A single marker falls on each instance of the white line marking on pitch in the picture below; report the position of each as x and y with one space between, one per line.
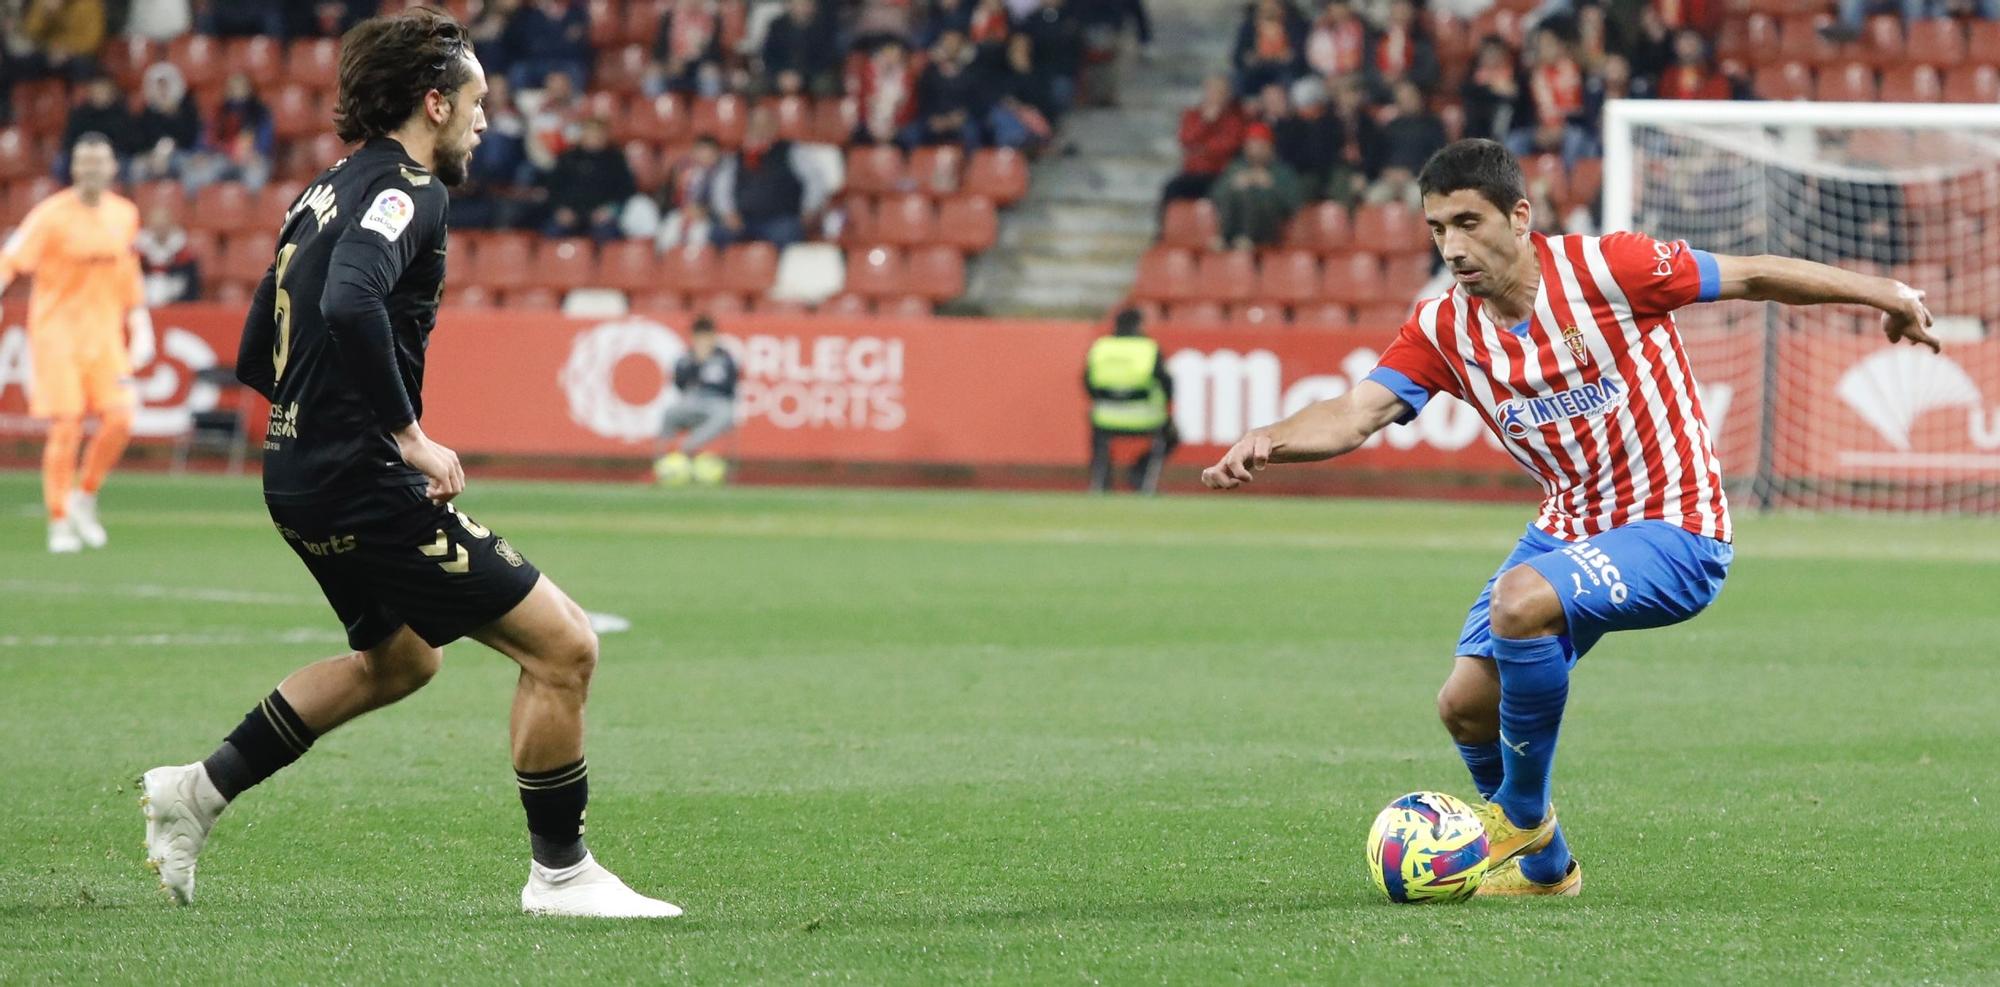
297 635
147 591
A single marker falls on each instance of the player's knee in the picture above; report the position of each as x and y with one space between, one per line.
1468 716
1524 605
399 670
574 658
118 420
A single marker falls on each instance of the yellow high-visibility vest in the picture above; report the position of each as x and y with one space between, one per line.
1123 367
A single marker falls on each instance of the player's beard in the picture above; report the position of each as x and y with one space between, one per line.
452 162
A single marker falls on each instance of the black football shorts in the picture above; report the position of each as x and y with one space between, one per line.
389 556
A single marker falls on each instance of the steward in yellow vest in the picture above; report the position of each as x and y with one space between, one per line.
1130 394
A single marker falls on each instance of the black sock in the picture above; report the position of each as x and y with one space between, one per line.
271 737
555 801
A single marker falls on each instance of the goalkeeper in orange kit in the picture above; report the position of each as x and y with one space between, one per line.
78 247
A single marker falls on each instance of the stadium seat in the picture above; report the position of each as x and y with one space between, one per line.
231 292
224 207
874 170
275 199
1198 315
642 20
1912 84
1758 39
500 259
41 107
937 170
722 118
936 272
1390 228
778 306
470 296
630 266
620 69
314 62
606 28
149 196
717 303
1404 276
876 272
295 113
1227 276
17 156
1586 181
1321 227
1935 41
245 258
688 269
1972 84
1385 317
200 59
1323 315
833 119
1983 37
1000 174
905 220
857 221
656 302
849 305
968 222
1853 82
1799 39
749 269
1355 277
206 247
535 299
1783 81
1190 224
1166 274
1881 43
906 307
1288 277
126 59
260 58
660 120
794 116
1261 315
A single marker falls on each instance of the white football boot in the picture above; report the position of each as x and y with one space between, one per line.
587 890
83 514
63 539
181 805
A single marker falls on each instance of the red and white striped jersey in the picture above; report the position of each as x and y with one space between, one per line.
1592 394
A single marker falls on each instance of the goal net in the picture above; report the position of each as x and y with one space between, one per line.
1816 409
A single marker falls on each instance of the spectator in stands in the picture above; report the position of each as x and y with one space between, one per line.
241 18
1593 40
1058 47
1854 12
1211 134
588 184
1555 97
492 196
239 142
949 106
1359 137
1104 23
1403 50
1692 77
802 41
1309 138
1407 140
1257 196
1652 48
66 35
102 111
941 16
1613 80
1018 94
171 271
547 36
1491 94
1268 46
329 18
764 191
990 25
677 213
488 31
159 20
551 116
885 87
688 48
1338 44
169 126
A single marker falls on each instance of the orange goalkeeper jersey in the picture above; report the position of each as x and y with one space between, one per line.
85 269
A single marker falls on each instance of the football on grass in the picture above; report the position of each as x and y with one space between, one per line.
1427 846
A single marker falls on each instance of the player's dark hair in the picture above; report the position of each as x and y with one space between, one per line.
389 64
703 324
1479 164
1127 322
93 138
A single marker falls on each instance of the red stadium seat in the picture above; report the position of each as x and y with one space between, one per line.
1323 315
606 29
166 194
1322 227
314 62
1586 181
1982 37
1799 39
1785 81
1000 174
200 59
1404 276
778 306
875 170
719 303
206 247
660 120
17 156
224 207
1288 277
1972 84
938 170
1190 224
1912 84
1385 317
245 258
794 116
619 70
500 259
1198 315
275 199
657 302
231 292
858 227
833 119
849 305
260 58
126 59
876 272
42 107
1262 315
1166 274
1758 40
1881 41
295 113
722 118
905 220
1935 41
936 273
1390 228
749 269
1353 278
969 223
535 299
1853 82
471 296
628 265
642 20
688 269
907 307
1227 276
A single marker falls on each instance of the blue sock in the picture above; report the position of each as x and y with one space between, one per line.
1549 864
1483 760
1534 686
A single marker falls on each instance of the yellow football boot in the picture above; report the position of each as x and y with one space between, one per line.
1504 840
1509 882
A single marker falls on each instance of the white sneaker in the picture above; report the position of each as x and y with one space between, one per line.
62 537
83 514
181 805
587 890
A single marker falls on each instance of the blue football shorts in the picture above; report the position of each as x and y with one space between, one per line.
1643 574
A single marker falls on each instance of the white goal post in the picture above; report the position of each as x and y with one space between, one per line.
1820 412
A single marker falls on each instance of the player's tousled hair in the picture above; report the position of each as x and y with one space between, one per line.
389 64
1485 166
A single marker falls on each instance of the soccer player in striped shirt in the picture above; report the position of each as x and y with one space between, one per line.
1566 347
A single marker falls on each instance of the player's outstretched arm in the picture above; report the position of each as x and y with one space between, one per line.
1321 430
1789 281
256 365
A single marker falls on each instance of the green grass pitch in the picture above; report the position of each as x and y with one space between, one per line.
896 737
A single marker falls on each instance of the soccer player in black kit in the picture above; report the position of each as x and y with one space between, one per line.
335 339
